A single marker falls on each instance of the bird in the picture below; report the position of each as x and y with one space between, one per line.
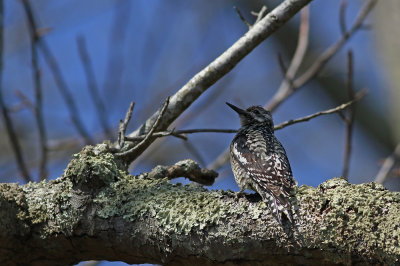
259 161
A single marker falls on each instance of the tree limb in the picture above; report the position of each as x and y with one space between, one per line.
96 211
183 98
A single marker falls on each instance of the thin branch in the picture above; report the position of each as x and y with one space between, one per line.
148 138
92 86
38 107
186 168
181 133
299 54
242 17
157 135
7 119
282 65
260 14
25 102
283 93
278 127
342 16
330 111
350 116
61 84
124 124
387 166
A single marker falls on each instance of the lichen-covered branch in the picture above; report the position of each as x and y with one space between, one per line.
96 210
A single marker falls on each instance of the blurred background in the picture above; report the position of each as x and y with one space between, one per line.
107 53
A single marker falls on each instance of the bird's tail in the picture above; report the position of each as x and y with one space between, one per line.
280 207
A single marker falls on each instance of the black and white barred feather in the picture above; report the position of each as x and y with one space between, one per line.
259 161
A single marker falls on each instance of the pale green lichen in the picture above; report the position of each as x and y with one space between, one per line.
50 205
94 165
169 204
350 212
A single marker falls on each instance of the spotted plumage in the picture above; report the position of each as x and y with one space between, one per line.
259 161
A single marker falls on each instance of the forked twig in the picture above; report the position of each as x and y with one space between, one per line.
242 17
123 125
148 138
330 111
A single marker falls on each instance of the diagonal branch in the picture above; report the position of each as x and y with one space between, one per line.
242 18
38 107
183 98
388 165
92 86
282 94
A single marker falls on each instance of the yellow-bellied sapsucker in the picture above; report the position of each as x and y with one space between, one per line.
259 161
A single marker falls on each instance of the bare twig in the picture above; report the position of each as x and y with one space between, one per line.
61 84
282 65
282 94
7 119
147 139
260 14
342 16
350 116
181 133
298 57
186 168
330 111
38 107
158 135
242 17
123 125
92 85
25 102
388 165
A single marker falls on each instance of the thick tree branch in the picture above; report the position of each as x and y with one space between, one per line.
98 211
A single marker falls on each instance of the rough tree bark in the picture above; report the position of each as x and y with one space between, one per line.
97 211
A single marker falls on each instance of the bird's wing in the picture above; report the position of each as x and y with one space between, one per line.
270 173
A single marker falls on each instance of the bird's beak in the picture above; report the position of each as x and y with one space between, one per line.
237 109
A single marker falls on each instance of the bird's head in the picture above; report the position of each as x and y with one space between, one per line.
253 114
